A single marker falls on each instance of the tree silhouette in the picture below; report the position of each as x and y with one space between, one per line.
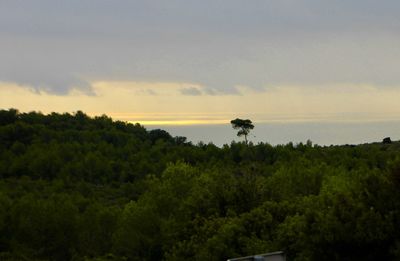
244 127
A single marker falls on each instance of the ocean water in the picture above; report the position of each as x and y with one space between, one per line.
322 133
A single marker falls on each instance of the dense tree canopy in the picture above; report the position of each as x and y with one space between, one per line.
74 187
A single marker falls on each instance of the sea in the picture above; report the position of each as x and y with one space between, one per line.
321 133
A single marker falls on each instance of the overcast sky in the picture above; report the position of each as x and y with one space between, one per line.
55 50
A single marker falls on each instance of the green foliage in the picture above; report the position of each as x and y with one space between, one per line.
74 187
244 127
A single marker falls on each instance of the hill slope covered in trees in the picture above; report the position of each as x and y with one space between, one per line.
79 188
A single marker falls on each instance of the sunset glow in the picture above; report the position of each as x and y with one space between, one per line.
165 104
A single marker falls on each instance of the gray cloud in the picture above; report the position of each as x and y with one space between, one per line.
58 45
191 91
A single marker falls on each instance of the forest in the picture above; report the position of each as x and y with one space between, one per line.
74 187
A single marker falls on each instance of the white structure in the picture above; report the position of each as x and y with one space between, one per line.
273 256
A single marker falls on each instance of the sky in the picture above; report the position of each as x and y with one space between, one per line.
189 63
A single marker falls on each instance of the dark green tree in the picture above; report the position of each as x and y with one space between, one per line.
244 127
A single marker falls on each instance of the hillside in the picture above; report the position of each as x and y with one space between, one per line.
74 187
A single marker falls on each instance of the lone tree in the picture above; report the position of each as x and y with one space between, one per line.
244 127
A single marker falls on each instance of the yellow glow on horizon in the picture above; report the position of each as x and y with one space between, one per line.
165 103
180 122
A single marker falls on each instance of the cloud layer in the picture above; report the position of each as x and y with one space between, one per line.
58 46
164 103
